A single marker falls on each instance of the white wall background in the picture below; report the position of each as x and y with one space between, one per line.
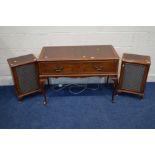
16 41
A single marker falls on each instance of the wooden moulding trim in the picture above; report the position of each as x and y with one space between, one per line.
79 60
22 95
77 75
130 92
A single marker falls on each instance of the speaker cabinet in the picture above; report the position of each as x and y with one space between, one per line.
25 74
134 72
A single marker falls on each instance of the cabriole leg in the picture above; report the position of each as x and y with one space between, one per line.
42 85
114 90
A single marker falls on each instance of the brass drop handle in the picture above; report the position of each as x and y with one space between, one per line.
58 69
99 68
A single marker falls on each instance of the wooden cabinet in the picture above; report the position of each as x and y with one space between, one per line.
25 74
134 72
78 61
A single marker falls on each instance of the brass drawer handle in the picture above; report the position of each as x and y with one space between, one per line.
99 68
58 69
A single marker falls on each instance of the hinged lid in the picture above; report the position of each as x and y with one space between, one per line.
134 58
13 62
89 52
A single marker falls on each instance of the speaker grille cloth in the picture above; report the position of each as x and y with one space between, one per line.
133 76
27 78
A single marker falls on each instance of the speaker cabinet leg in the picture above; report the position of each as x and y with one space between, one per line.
141 97
20 99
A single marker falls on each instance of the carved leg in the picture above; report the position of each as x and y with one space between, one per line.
48 81
42 85
45 98
115 89
107 80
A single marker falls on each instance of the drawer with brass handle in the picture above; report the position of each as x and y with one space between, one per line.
89 67
99 68
58 69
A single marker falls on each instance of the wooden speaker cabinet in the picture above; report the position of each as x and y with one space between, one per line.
25 74
134 72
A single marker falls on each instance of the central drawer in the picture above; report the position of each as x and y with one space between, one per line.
66 68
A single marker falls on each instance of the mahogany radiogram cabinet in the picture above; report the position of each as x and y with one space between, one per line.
78 61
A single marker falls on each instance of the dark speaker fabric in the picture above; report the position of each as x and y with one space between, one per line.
133 76
27 78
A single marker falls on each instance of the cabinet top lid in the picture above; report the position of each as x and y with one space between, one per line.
135 58
90 52
21 60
